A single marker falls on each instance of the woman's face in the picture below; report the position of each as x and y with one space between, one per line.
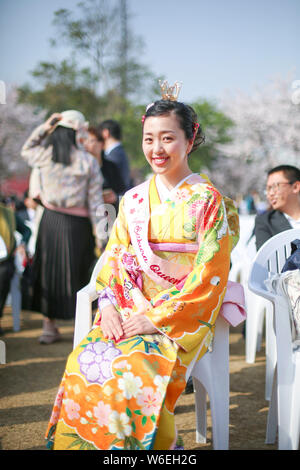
165 146
93 145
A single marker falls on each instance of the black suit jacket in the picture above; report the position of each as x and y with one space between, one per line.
112 176
118 156
269 224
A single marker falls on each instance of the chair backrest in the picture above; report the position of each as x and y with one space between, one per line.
269 260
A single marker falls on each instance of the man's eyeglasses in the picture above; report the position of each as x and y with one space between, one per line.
275 187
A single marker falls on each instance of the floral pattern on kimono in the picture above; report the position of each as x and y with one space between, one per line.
122 394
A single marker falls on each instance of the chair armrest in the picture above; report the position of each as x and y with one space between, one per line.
83 315
256 288
90 290
284 317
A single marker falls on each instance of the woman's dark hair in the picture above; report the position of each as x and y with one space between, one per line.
62 139
185 114
113 127
96 132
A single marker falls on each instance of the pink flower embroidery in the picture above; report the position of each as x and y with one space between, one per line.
133 268
102 412
72 409
150 401
113 263
196 209
121 365
203 213
59 396
130 263
182 195
54 417
116 250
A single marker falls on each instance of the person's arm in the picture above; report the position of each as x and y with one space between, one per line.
108 315
187 316
33 151
23 229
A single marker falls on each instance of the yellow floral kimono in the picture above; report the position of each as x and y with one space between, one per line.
171 260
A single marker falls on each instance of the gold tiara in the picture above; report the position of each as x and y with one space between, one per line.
170 92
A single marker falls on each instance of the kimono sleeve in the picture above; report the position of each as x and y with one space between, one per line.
188 316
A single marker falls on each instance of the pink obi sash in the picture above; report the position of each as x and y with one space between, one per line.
178 247
166 273
78 211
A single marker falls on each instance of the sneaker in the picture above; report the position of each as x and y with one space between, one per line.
49 338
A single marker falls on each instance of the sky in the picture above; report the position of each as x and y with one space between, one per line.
213 47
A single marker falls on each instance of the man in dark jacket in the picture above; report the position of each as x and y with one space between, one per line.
113 183
283 194
113 149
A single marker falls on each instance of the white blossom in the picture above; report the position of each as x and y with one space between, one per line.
17 121
266 134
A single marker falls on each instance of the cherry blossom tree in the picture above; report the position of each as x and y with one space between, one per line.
16 123
266 134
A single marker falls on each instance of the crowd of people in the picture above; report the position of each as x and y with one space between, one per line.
164 274
72 176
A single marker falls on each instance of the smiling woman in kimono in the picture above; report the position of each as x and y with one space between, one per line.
162 282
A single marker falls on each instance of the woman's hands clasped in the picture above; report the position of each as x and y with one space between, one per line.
111 323
114 328
138 325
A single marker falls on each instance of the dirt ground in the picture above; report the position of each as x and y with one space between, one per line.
31 375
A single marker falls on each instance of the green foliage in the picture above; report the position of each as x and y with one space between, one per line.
64 86
111 81
215 126
59 97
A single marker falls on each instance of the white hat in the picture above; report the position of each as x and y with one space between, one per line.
73 119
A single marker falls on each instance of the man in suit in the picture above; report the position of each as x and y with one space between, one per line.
111 133
113 184
283 194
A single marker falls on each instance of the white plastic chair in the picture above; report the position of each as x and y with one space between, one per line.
2 352
210 374
259 309
256 307
241 259
284 403
84 299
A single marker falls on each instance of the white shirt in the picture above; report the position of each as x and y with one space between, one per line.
294 223
109 149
